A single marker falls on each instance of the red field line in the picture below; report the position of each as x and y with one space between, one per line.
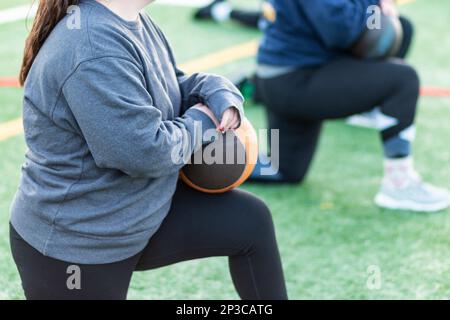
12 82
9 82
435 92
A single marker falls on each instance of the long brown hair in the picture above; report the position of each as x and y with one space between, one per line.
49 13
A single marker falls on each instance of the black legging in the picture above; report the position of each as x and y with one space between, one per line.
297 103
235 224
248 18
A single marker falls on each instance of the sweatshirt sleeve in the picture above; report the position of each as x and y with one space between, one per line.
121 125
216 92
338 23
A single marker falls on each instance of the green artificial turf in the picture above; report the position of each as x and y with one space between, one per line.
6 4
329 231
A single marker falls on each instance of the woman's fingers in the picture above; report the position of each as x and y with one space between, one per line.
230 120
227 121
235 122
226 118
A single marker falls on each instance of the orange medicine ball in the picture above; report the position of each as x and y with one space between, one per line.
224 164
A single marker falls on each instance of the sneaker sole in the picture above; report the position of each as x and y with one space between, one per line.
387 202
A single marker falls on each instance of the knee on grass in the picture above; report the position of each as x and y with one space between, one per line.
407 79
255 221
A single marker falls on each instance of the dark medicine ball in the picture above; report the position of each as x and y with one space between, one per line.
380 43
224 164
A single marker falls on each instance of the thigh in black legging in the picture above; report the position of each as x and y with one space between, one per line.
235 224
349 86
247 18
44 278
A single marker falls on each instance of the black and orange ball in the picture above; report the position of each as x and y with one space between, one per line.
224 164
381 43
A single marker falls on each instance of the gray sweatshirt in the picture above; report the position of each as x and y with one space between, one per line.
104 107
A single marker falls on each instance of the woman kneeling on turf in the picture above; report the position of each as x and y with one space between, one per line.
306 75
104 106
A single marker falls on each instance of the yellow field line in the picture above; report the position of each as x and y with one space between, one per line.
10 129
248 49
222 57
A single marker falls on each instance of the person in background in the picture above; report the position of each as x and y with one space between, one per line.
222 11
305 75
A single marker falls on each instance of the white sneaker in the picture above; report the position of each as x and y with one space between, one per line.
374 119
414 196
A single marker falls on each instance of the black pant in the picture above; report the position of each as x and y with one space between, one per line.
297 103
235 224
248 18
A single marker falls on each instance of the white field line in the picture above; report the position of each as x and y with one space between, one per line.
22 12
17 13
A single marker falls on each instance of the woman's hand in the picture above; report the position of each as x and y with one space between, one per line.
389 8
201 107
230 120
